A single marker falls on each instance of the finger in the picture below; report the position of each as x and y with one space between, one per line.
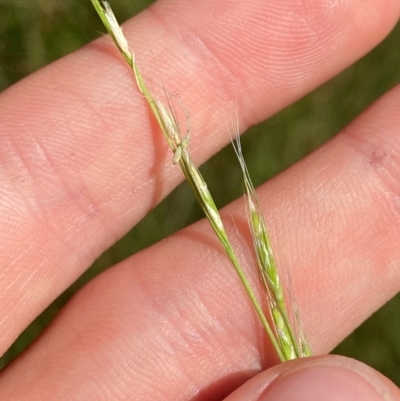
314 379
173 321
81 162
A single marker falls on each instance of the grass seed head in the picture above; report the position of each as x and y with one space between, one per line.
280 334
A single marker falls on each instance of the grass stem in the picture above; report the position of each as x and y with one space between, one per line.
280 335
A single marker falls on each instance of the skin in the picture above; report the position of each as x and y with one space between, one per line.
172 322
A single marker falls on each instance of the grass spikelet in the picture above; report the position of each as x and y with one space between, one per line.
280 335
292 342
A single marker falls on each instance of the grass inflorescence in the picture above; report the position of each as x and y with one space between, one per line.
287 342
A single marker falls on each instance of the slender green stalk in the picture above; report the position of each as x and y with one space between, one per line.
179 146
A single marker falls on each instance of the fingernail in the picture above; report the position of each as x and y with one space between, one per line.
316 381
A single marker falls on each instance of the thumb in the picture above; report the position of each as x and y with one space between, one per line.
328 378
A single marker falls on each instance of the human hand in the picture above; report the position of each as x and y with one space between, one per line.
81 164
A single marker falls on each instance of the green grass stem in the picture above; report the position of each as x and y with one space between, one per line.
281 335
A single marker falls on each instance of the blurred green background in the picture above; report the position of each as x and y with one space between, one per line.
36 32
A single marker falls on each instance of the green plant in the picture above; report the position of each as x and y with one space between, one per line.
288 343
